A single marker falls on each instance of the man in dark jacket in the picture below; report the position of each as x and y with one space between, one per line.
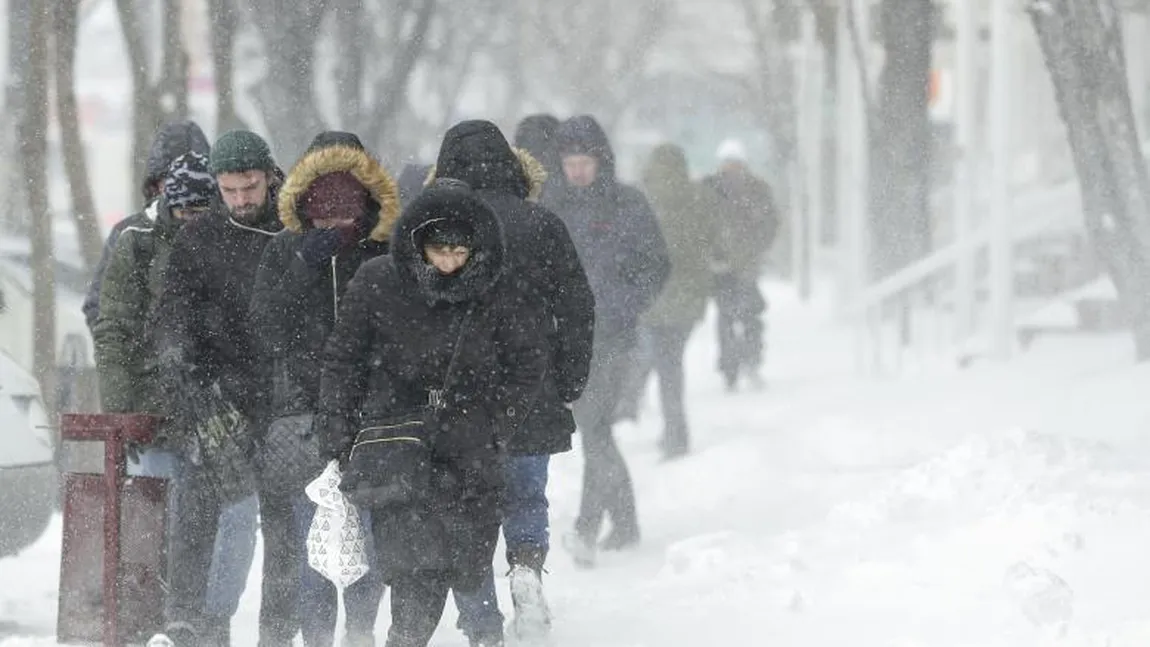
540 254
337 206
172 140
747 225
626 260
208 365
434 333
126 360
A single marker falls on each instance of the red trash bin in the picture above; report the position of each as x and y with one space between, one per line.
112 565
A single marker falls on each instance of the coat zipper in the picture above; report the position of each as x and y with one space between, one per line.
334 293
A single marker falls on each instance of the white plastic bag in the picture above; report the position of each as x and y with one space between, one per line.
336 545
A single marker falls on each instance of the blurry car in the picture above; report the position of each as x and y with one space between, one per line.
29 479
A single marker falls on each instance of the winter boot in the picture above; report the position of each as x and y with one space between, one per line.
582 549
532 623
176 634
621 537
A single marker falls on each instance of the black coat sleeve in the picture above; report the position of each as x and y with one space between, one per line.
346 358
573 306
648 264
521 364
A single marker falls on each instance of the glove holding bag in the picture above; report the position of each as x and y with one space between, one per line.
336 542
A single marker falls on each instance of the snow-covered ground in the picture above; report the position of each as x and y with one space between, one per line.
1001 505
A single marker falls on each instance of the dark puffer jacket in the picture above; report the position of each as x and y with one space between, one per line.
398 326
616 233
171 141
201 320
125 355
293 307
540 253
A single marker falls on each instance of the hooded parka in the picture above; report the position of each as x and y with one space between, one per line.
541 254
399 325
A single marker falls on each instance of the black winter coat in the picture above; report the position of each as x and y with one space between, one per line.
294 306
542 257
617 235
201 319
398 326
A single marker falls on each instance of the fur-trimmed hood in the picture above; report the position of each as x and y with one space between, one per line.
338 159
476 152
456 204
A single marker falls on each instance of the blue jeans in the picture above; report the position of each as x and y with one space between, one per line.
525 527
235 543
319 599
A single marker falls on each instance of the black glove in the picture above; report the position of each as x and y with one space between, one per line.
319 245
335 435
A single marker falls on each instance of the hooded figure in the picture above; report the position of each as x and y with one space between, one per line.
625 258
125 351
411 181
686 211
438 315
171 141
338 207
540 254
536 134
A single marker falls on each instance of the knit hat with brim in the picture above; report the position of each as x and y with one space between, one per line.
237 151
188 184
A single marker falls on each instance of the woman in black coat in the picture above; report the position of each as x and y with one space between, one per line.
441 299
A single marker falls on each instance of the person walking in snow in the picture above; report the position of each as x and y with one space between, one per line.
686 211
432 366
338 206
171 141
541 254
127 362
209 370
626 261
747 226
536 135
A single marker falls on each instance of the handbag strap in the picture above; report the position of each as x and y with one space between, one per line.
451 364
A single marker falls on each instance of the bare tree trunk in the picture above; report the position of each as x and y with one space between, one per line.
19 25
223 17
33 133
286 96
1081 41
144 105
901 148
71 142
390 92
173 85
354 36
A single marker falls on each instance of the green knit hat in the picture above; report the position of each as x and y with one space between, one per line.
240 150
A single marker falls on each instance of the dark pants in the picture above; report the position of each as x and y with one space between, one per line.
667 346
417 602
279 601
741 307
526 531
196 541
319 599
607 488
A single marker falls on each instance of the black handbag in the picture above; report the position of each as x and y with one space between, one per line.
390 460
289 456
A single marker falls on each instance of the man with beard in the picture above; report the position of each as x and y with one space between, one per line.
209 370
626 261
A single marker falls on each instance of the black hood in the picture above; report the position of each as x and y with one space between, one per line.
476 152
329 138
583 135
411 179
172 140
536 134
450 204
